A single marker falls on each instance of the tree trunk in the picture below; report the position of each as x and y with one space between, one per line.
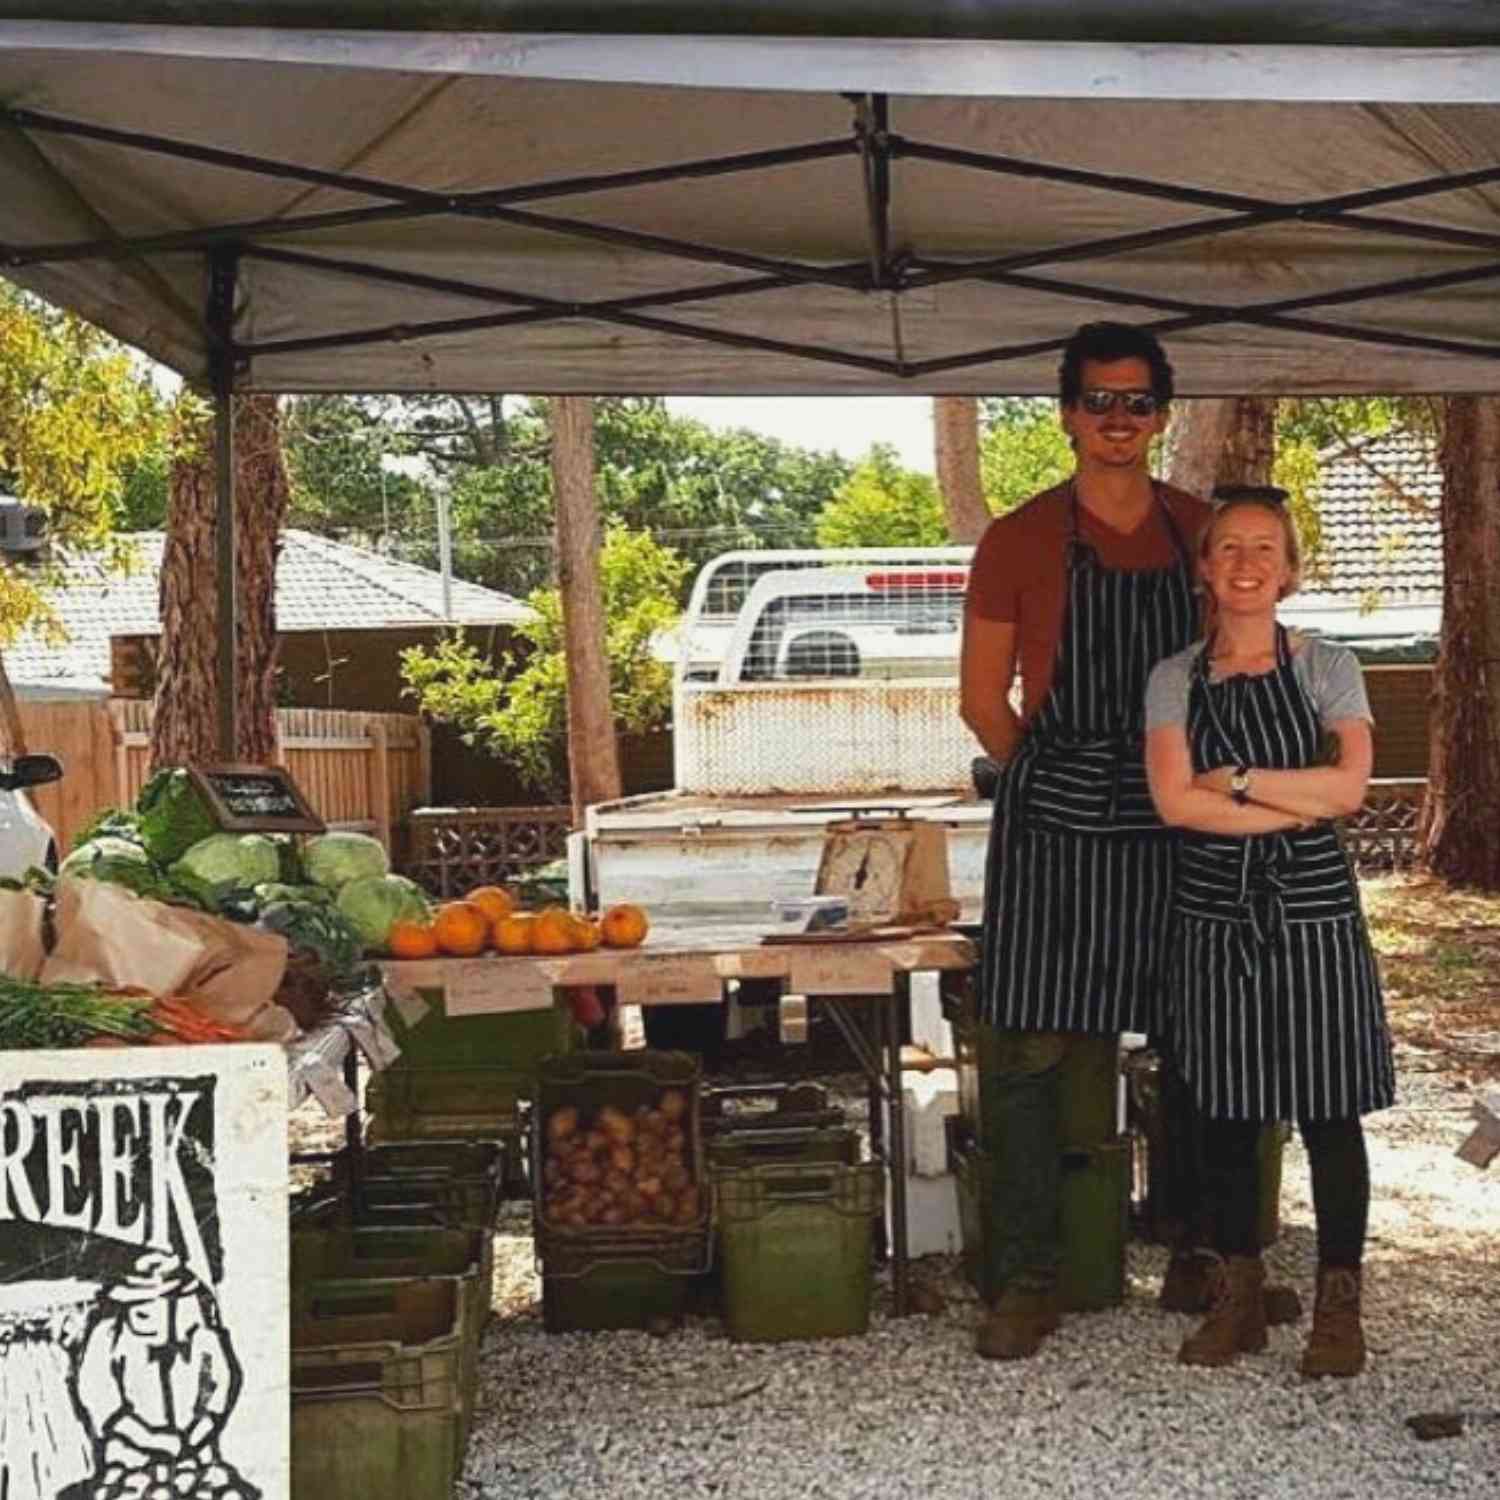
1221 440
11 731
593 762
262 495
1457 832
955 425
184 726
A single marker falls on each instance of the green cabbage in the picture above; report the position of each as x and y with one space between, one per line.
173 817
334 859
106 849
226 860
272 892
375 903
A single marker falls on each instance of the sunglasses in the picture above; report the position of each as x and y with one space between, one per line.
1256 494
1097 402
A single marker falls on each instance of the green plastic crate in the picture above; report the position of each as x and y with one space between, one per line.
466 1176
1094 1210
377 1392
327 1259
463 1077
795 1245
734 1150
598 1277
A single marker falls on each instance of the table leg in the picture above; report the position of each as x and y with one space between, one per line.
354 1133
890 1007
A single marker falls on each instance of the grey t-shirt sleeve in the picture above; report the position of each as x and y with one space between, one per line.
1335 682
1167 689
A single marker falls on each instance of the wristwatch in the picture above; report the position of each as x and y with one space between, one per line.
1239 785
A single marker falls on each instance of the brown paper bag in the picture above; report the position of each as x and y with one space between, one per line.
110 936
240 974
22 947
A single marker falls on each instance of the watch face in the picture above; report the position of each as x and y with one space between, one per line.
865 867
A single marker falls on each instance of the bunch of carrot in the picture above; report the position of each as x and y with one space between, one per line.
179 1020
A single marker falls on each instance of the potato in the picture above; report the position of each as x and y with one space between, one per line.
613 1216
554 1171
649 1188
616 1182
676 1139
675 1177
584 1169
673 1104
654 1122
596 1140
664 1207
688 1203
634 1203
616 1124
622 1159
562 1123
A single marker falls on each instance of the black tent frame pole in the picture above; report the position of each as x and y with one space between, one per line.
223 275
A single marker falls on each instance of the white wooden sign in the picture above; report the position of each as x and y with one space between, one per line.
669 979
487 986
143 1273
839 969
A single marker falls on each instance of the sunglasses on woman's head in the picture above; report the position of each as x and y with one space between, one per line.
1096 402
1238 494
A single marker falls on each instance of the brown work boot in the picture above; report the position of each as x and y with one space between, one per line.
1187 1288
1236 1321
1019 1321
1336 1345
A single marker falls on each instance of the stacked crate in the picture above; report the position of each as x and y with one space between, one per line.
1096 1159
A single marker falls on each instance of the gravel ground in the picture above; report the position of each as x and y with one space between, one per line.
909 1410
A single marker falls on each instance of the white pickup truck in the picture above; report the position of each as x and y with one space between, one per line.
807 684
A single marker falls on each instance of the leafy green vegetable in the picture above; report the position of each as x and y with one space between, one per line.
113 822
270 891
334 859
67 1015
173 816
374 903
317 928
230 861
108 847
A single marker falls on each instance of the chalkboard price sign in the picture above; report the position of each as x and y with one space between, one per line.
255 799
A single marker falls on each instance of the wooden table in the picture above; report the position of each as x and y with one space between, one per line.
687 963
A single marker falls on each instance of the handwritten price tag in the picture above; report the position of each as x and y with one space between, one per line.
669 979
488 986
839 969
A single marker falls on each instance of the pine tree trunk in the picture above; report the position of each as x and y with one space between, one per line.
184 723
593 760
184 726
1221 440
955 426
1457 830
263 495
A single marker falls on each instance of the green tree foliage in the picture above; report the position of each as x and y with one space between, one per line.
699 490
883 505
1023 449
77 411
520 711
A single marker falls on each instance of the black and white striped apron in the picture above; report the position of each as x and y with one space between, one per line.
1078 880
1273 993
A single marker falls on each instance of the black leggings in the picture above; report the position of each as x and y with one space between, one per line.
1340 1186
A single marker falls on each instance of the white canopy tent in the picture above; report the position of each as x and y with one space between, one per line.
450 195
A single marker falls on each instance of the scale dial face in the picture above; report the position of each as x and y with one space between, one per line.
865 866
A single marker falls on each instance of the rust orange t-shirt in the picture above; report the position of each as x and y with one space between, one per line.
1017 574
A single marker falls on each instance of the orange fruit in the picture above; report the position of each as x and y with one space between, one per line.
586 934
408 939
624 926
493 900
512 934
461 928
552 931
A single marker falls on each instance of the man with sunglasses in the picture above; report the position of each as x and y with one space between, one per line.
1079 592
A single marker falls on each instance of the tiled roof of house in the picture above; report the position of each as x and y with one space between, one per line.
320 585
1381 533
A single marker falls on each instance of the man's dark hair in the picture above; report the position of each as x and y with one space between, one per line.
1106 342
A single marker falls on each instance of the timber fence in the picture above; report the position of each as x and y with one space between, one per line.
363 771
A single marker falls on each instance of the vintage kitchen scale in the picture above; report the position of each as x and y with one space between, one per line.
892 871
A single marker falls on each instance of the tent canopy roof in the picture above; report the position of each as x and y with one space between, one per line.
571 197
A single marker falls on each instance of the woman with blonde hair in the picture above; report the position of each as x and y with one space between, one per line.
1273 999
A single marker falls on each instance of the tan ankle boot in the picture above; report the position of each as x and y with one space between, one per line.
1236 1321
1336 1345
1020 1320
1187 1287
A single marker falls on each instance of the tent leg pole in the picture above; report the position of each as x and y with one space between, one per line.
223 267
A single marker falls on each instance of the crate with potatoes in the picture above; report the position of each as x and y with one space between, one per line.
620 1204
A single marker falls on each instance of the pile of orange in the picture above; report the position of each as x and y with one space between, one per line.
488 917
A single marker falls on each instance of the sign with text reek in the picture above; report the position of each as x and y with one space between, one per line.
143 1273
